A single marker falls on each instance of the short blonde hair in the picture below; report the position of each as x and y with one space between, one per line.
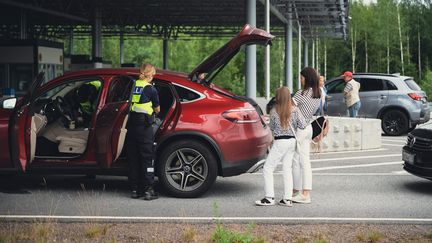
147 71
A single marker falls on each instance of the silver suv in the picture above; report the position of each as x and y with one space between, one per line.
397 100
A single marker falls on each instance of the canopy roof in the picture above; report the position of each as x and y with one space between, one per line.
168 18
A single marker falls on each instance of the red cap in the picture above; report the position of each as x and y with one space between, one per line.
347 74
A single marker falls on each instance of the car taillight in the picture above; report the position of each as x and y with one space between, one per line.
415 96
241 115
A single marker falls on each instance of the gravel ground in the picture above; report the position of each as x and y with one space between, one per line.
191 232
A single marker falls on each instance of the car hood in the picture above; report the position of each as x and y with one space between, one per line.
248 36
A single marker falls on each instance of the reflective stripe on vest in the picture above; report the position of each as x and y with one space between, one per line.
146 107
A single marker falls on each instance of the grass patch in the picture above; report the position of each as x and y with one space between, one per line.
428 235
95 231
371 237
222 234
189 235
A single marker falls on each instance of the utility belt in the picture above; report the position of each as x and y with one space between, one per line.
140 119
284 137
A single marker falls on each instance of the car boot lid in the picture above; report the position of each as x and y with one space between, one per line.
248 36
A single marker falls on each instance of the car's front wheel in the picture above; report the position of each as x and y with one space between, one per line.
186 168
394 123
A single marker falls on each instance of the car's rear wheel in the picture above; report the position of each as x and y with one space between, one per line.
394 123
186 168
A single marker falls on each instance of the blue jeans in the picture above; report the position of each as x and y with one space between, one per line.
353 110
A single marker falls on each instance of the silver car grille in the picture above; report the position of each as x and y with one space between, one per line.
419 144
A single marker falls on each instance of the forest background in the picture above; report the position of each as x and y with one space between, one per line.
386 36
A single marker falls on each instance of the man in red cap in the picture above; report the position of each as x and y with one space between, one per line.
351 93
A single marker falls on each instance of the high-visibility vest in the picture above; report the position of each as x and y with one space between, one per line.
88 106
141 106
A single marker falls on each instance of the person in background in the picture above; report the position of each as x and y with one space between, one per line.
284 121
308 100
323 105
87 95
140 137
351 93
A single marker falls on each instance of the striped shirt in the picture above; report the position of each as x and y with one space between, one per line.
307 105
297 121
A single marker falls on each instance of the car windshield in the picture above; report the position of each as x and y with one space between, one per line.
412 84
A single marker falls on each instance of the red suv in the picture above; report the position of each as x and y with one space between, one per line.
202 131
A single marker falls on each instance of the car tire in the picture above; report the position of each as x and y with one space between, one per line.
394 123
186 168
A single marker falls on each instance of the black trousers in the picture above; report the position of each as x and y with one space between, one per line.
139 151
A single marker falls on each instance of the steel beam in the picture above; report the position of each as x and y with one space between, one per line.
43 10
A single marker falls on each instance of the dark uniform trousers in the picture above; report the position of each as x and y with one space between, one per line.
139 150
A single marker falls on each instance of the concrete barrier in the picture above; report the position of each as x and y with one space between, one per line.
348 134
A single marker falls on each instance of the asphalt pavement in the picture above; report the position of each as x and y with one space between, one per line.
360 186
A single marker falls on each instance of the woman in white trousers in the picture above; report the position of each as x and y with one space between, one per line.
284 121
308 101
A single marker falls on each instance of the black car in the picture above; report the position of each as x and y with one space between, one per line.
417 153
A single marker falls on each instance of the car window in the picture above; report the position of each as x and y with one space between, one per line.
119 89
390 85
412 84
371 84
336 86
186 95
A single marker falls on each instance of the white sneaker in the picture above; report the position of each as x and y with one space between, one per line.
299 198
267 201
285 202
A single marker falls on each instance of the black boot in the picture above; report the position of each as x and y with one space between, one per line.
136 193
150 194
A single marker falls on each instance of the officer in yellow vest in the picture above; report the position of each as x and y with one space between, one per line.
87 96
140 137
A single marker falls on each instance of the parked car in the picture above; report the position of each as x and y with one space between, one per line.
417 153
397 100
201 128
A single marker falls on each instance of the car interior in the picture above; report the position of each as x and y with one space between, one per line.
60 128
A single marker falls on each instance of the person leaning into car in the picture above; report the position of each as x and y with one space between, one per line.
351 93
140 137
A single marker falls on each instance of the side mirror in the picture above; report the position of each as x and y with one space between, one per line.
9 103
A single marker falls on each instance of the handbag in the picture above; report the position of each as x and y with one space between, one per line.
320 128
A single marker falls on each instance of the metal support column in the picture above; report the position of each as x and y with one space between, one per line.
251 53
71 41
97 39
23 25
121 48
306 54
313 53
165 53
299 57
267 52
288 52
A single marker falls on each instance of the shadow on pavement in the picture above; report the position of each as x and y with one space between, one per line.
421 186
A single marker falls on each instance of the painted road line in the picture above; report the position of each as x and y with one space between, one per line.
393 141
362 174
213 219
358 157
394 145
356 166
346 152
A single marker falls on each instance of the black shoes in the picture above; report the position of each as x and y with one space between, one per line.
135 193
150 194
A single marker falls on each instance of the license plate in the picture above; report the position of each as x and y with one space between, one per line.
408 157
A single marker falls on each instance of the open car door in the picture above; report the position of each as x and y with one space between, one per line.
111 121
214 63
21 142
